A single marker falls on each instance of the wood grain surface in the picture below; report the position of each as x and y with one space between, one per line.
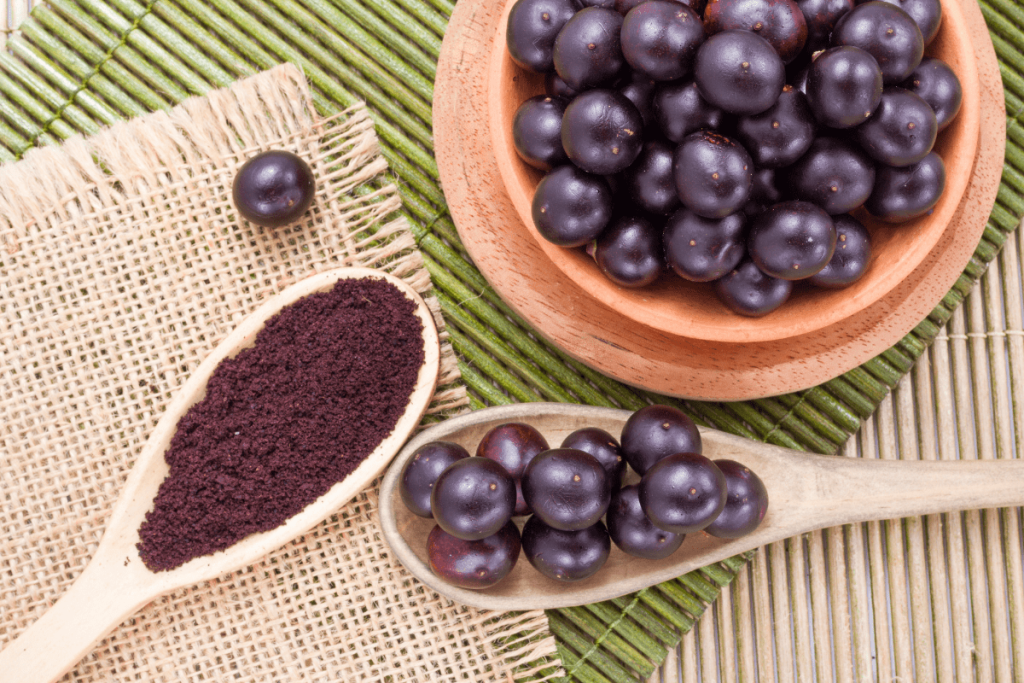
640 355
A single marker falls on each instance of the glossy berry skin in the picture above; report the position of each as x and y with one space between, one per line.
901 131
844 86
680 110
937 85
587 52
633 533
565 555
747 291
850 259
567 488
629 252
650 183
571 207
556 87
683 493
904 193
927 14
713 174
656 432
513 445
834 174
821 16
532 28
704 249
763 193
473 564
605 449
780 22
746 502
792 240
640 91
473 498
660 39
602 132
421 472
739 72
537 131
780 135
273 189
887 33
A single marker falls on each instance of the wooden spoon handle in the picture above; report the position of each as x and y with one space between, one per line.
98 601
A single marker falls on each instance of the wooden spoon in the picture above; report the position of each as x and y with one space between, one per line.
116 583
805 492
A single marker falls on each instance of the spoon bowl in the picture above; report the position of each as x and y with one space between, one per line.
116 583
805 492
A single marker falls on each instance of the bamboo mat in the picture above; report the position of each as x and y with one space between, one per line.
829 603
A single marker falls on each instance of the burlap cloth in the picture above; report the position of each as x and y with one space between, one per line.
122 265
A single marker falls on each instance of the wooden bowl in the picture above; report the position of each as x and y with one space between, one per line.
676 306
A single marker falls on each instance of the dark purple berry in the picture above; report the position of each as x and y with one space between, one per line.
602 132
937 85
821 16
421 472
567 488
680 110
780 135
844 86
473 564
635 535
473 498
713 174
901 131
273 189
763 193
605 449
747 291
746 502
850 259
513 445
740 72
926 13
640 91
834 174
660 39
704 249
887 33
537 131
908 192
565 555
649 183
792 240
780 22
532 28
556 87
683 493
629 252
656 432
571 207
587 52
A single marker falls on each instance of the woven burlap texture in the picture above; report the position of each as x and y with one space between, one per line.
122 264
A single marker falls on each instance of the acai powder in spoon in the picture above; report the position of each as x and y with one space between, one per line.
286 419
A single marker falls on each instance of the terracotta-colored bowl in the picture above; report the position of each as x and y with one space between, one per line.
675 306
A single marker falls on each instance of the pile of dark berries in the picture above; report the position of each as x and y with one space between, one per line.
735 143
568 491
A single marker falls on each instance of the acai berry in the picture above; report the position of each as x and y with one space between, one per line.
780 22
821 16
713 174
421 472
567 488
603 447
602 132
473 564
513 445
629 252
656 432
937 85
679 110
887 33
739 72
532 28
660 39
473 498
633 532
844 86
537 131
704 249
834 174
792 240
587 52
927 14
747 291
273 189
781 134
571 207
901 194
850 259
650 183
901 131
746 502
683 493
565 555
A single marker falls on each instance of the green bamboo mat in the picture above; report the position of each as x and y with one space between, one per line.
76 65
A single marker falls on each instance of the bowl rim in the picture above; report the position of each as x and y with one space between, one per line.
734 328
